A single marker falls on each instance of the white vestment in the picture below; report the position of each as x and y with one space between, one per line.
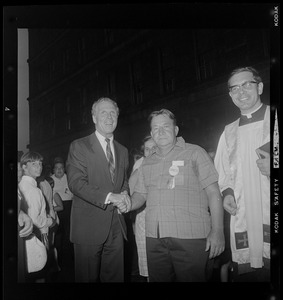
235 162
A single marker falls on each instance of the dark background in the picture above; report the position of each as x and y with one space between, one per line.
157 17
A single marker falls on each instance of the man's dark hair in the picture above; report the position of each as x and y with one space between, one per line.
255 73
163 111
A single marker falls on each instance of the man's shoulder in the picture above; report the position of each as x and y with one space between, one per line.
85 140
193 147
120 146
187 146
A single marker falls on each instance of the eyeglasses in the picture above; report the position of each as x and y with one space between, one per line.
247 85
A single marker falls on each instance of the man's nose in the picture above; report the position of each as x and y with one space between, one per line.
161 130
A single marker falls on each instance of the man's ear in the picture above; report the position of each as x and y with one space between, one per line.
176 130
260 88
94 119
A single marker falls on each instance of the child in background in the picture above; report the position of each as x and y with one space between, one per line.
25 228
31 163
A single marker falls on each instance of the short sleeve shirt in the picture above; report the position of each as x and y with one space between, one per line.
179 210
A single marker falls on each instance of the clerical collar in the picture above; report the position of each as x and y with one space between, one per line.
249 115
255 116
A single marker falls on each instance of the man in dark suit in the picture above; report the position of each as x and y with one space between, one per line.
97 176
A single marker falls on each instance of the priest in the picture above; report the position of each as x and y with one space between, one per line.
243 163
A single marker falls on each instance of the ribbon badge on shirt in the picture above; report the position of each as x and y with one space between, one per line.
174 171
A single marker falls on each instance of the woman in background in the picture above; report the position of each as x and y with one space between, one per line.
147 148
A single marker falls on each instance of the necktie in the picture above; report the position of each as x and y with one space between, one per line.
110 159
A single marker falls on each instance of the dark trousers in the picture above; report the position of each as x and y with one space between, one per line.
173 259
62 238
102 262
22 259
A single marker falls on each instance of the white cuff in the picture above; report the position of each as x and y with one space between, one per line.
106 200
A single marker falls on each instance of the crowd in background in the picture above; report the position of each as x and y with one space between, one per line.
169 217
45 198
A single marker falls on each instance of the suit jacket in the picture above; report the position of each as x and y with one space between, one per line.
90 181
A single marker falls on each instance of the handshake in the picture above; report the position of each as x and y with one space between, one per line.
121 201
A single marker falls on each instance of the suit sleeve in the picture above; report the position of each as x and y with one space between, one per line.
77 174
125 186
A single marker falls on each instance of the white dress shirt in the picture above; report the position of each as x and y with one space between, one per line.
36 203
103 144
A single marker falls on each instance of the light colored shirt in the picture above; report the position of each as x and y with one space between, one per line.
61 187
179 210
36 203
103 144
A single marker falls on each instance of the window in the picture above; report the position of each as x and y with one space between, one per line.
83 106
81 50
109 37
111 84
52 119
205 70
38 125
136 77
51 69
66 60
167 70
68 114
39 79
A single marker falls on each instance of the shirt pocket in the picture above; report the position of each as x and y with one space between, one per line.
180 179
151 175
186 175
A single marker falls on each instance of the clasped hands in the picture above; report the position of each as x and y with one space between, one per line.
121 201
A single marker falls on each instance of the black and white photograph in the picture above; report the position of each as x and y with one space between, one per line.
147 146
